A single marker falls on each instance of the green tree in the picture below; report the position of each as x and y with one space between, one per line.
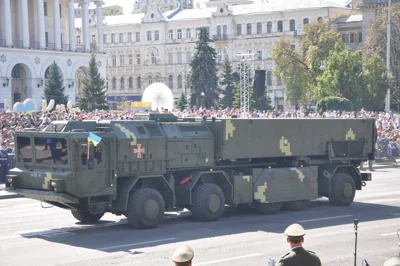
182 102
299 70
54 88
343 77
227 81
333 103
94 92
261 103
203 76
376 44
236 97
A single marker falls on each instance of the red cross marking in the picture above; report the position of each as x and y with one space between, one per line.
139 151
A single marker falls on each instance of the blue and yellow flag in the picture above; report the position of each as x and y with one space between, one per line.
94 138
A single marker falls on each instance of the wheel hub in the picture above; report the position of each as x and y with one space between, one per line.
151 209
214 203
347 190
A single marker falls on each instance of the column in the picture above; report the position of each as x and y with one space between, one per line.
85 25
100 26
71 20
7 22
25 23
57 24
40 21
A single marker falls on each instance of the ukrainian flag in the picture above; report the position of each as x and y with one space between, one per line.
94 138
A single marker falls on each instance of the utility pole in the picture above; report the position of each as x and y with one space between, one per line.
244 81
387 105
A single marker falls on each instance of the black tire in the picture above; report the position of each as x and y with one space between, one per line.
86 217
142 216
343 190
208 202
298 205
267 208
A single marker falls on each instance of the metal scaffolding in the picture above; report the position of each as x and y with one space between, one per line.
245 73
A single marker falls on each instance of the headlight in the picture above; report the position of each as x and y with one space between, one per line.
53 183
9 180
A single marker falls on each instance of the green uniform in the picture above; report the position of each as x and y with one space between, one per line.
300 257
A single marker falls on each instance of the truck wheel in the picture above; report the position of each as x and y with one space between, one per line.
208 202
86 217
343 190
267 208
145 209
299 205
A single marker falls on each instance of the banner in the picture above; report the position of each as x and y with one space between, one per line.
141 106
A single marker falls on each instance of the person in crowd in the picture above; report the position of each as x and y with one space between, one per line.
183 256
298 256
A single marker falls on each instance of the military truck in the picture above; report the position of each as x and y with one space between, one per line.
143 168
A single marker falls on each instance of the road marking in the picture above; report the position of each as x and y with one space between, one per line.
326 218
389 234
228 259
136 244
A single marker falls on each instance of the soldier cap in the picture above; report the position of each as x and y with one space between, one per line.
392 261
295 232
183 254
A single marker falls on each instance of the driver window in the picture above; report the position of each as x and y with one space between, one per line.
97 156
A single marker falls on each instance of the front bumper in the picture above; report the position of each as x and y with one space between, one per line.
44 195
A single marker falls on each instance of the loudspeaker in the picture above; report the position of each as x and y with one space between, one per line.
259 83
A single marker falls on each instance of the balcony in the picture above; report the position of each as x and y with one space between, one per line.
362 3
220 37
33 45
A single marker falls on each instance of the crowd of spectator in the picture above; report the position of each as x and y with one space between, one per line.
387 123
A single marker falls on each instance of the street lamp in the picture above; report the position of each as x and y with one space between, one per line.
202 99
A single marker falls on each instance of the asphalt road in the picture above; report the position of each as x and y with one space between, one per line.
31 235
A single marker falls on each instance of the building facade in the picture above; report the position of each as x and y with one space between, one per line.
157 46
108 10
35 33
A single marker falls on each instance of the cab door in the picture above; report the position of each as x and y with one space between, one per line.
91 177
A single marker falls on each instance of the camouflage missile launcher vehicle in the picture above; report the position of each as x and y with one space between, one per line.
142 168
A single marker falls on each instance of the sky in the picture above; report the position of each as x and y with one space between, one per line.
128 4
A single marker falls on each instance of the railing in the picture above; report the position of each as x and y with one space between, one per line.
220 37
49 46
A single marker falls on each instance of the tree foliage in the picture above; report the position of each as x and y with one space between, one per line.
182 102
94 92
203 76
54 88
376 44
227 81
333 103
299 70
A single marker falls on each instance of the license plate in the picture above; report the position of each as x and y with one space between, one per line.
35 174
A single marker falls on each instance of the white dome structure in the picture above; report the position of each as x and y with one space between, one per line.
159 95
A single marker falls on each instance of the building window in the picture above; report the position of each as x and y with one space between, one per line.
171 82
188 57
197 32
280 26
105 38
188 34
157 78
219 55
259 28
60 11
153 59
138 59
138 82
269 27
239 29
114 60
179 81
121 60
121 38
149 36
113 38
45 8
150 80
114 83
170 58
179 58
306 21
292 25
129 37
360 37
278 81
170 35
156 35
122 83
130 59
179 34
259 55
248 29
351 37
219 31
46 36
137 36
269 78
130 81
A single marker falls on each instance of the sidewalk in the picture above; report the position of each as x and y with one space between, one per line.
7 195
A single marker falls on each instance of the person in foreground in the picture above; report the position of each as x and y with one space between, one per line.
183 256
298 256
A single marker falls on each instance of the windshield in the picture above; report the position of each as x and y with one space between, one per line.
51 151
24 149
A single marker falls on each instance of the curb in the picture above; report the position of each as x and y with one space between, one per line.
10 196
